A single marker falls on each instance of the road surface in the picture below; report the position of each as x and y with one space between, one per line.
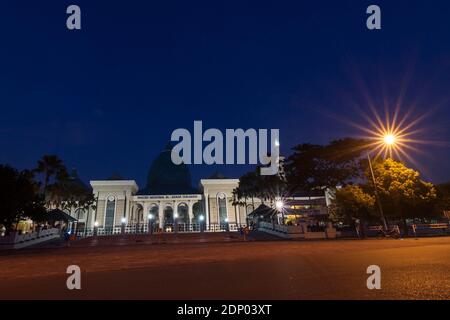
410 269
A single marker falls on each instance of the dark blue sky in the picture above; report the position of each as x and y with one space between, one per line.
106 98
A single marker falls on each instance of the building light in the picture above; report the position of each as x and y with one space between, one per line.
279 204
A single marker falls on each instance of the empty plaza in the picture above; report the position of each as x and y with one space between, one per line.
226 267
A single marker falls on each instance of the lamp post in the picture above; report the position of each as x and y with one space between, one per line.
95 228
150 223
377 197
389 141
175 222
124 223
201 218
279 204
227 225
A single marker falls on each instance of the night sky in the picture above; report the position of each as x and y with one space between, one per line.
106 98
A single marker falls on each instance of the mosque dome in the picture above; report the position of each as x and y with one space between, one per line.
165 177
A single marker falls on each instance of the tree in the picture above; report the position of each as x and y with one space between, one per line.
69 192
52 168
313 167
443 198
402 193
264 187
351 203
19 196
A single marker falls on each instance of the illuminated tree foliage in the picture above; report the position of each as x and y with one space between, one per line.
402 192
352 203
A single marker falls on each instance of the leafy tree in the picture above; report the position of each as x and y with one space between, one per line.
443 198
67 193
351 203
254 185
402 193
19 196
313 167
59 190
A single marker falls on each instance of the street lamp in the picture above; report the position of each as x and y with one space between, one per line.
227 225
95 228
389 140
150 223
175 221
279 204
124 222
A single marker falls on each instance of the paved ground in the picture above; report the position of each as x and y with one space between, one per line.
411 269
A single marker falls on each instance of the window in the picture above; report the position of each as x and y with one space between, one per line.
222 202
110 212
80 214
183 214
168 215
155 212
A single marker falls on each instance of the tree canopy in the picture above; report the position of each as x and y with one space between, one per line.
352 203
402 192
314 166
23 194
19 197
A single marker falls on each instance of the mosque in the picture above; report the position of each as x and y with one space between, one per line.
167 202
167 199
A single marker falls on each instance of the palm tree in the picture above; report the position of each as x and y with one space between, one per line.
50 166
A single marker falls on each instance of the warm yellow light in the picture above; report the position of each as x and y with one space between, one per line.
389 139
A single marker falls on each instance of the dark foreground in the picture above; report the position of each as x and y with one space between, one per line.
410 269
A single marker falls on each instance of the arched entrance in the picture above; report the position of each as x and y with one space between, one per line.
223 210
168 217
136 215
183 217
154 212
183 213
80 215
197 211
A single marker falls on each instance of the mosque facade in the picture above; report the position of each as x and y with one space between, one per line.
168 202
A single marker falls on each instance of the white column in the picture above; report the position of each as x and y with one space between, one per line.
227 206
128 207
190 211
207 208
161 214
145 212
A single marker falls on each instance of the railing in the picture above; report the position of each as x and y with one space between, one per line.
30 237
413 230
431 229
143 228
282 228
301 231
